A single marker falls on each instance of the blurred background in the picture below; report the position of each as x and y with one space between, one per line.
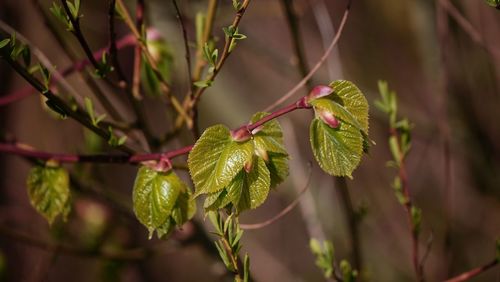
442 58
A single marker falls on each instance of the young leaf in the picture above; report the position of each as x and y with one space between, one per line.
250 190
338 151
216 159
268 142
493 3
155 195
346 94
48 190
4 42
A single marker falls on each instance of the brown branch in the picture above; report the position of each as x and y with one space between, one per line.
474 272
77 32
185 39
292 21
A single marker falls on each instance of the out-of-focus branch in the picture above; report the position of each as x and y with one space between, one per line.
316 67
468 28
474 272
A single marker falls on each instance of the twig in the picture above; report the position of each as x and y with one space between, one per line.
316 67
113 49
352 221
122 158
468 28
136 76
474 272
128 40
77 32
77 115
283 212
186 41
124 255
292 21
207 33
165 88
403 176
225 54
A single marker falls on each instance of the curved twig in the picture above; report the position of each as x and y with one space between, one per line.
284 212
316 67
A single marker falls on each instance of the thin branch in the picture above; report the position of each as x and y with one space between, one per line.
113 49
225 54
126 41
207 33
352 221
316 67
283 212
165 88
474 272
185 39
26 151
468 28
78 115
136 76
292 21
403 176
77 32
122 255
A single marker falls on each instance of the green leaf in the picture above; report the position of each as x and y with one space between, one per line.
216 159
493 3
4 42
268 137
340 112
203 83
48 190
155 195
268 142
246 268
250 190
278 168
338 151
352 99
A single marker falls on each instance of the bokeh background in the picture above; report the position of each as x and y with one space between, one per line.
441 57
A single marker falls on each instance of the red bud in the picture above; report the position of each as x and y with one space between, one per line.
329 119
319 91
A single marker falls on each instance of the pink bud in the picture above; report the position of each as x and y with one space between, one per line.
329 119
248 166
241 134
319 91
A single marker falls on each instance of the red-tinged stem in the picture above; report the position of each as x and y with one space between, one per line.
300 104
135 158
96 158
128 40
474 272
